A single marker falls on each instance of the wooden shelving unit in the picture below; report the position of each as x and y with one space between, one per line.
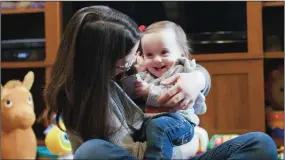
53 22
22 11
225 56
273 55
273 4
22 64
279 141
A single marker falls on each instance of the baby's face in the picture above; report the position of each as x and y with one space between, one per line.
160 51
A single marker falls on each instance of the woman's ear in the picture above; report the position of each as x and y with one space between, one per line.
140 65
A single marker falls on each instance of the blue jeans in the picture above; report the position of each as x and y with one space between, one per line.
163 132
250 146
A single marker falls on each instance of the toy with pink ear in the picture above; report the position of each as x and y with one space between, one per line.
18 140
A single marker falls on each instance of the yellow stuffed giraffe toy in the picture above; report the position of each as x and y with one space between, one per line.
18 140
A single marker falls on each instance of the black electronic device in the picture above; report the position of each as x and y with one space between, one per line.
23 50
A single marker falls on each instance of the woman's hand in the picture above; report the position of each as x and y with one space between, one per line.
186 89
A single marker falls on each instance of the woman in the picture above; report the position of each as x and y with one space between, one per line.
101 120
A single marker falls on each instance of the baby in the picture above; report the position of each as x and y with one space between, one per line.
165 52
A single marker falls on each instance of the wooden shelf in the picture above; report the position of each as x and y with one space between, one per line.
279 141
225 56
37 64
273 4
22 11
40 142
274 55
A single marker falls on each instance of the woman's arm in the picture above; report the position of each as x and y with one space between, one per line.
204 77
187 87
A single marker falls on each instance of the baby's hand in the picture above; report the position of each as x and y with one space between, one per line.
140 64
141 88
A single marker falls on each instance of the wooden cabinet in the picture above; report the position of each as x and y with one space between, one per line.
53 30
236 102
236 99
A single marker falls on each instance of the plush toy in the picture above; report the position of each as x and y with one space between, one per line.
275 88
18 140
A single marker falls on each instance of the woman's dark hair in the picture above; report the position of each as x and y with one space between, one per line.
95 39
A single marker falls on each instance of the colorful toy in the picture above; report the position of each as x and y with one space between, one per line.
18 139
275 88
44 154
275 121
37 4
56 140
219 139
22 5
8 5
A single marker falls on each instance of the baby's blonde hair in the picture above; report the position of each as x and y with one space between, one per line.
180 35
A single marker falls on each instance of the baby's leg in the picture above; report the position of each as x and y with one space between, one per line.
165 131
